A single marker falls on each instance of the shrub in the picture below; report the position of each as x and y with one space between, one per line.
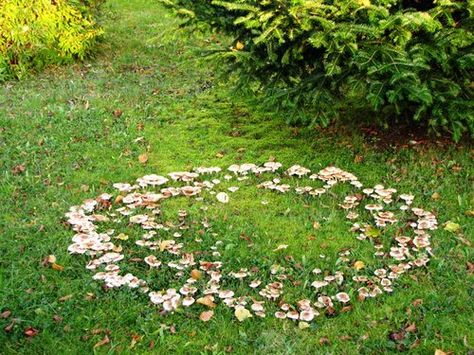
41 32
402 60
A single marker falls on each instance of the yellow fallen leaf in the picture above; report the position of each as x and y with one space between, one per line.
439 352
452 227
196 274
206 316
165 244
143 158
122 236
51 259
242 314
359 265
281 247
303 325
239 46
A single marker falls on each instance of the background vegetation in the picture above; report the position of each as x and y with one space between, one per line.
406 61
34 34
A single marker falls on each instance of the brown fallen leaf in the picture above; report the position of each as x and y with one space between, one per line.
206 316
324 341
65 298
57 267
411 328
30 332
18 169
118 113
143 158
5 314
440 352
206 301
57 319
104 341
358 159
397 336
9 327
470 268
417 302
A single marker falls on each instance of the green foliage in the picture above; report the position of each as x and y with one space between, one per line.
396 58
35 34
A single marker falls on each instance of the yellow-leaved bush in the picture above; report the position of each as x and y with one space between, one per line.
36 33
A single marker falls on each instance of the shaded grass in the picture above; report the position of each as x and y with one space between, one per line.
61 126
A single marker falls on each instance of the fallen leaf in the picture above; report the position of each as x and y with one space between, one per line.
65 298
242 314
358 159
5 314
18 169
440 352
436 196
417 302
280 247
143 158
9 327
303 325
135 339
397 336
104 341
469 268
57 319
206 316
411 328
324 341
372 232
452 227
196 274
118 113
57 267
206 301
316 225
30 332
51 259
122 236
359 265
239 46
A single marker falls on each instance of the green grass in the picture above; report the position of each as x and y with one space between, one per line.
61 126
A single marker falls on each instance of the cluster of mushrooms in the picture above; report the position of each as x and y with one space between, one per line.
204 283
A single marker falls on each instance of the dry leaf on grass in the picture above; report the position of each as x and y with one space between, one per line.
206 316
143 158
242 314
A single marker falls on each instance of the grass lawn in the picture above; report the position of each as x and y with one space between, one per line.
67 134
